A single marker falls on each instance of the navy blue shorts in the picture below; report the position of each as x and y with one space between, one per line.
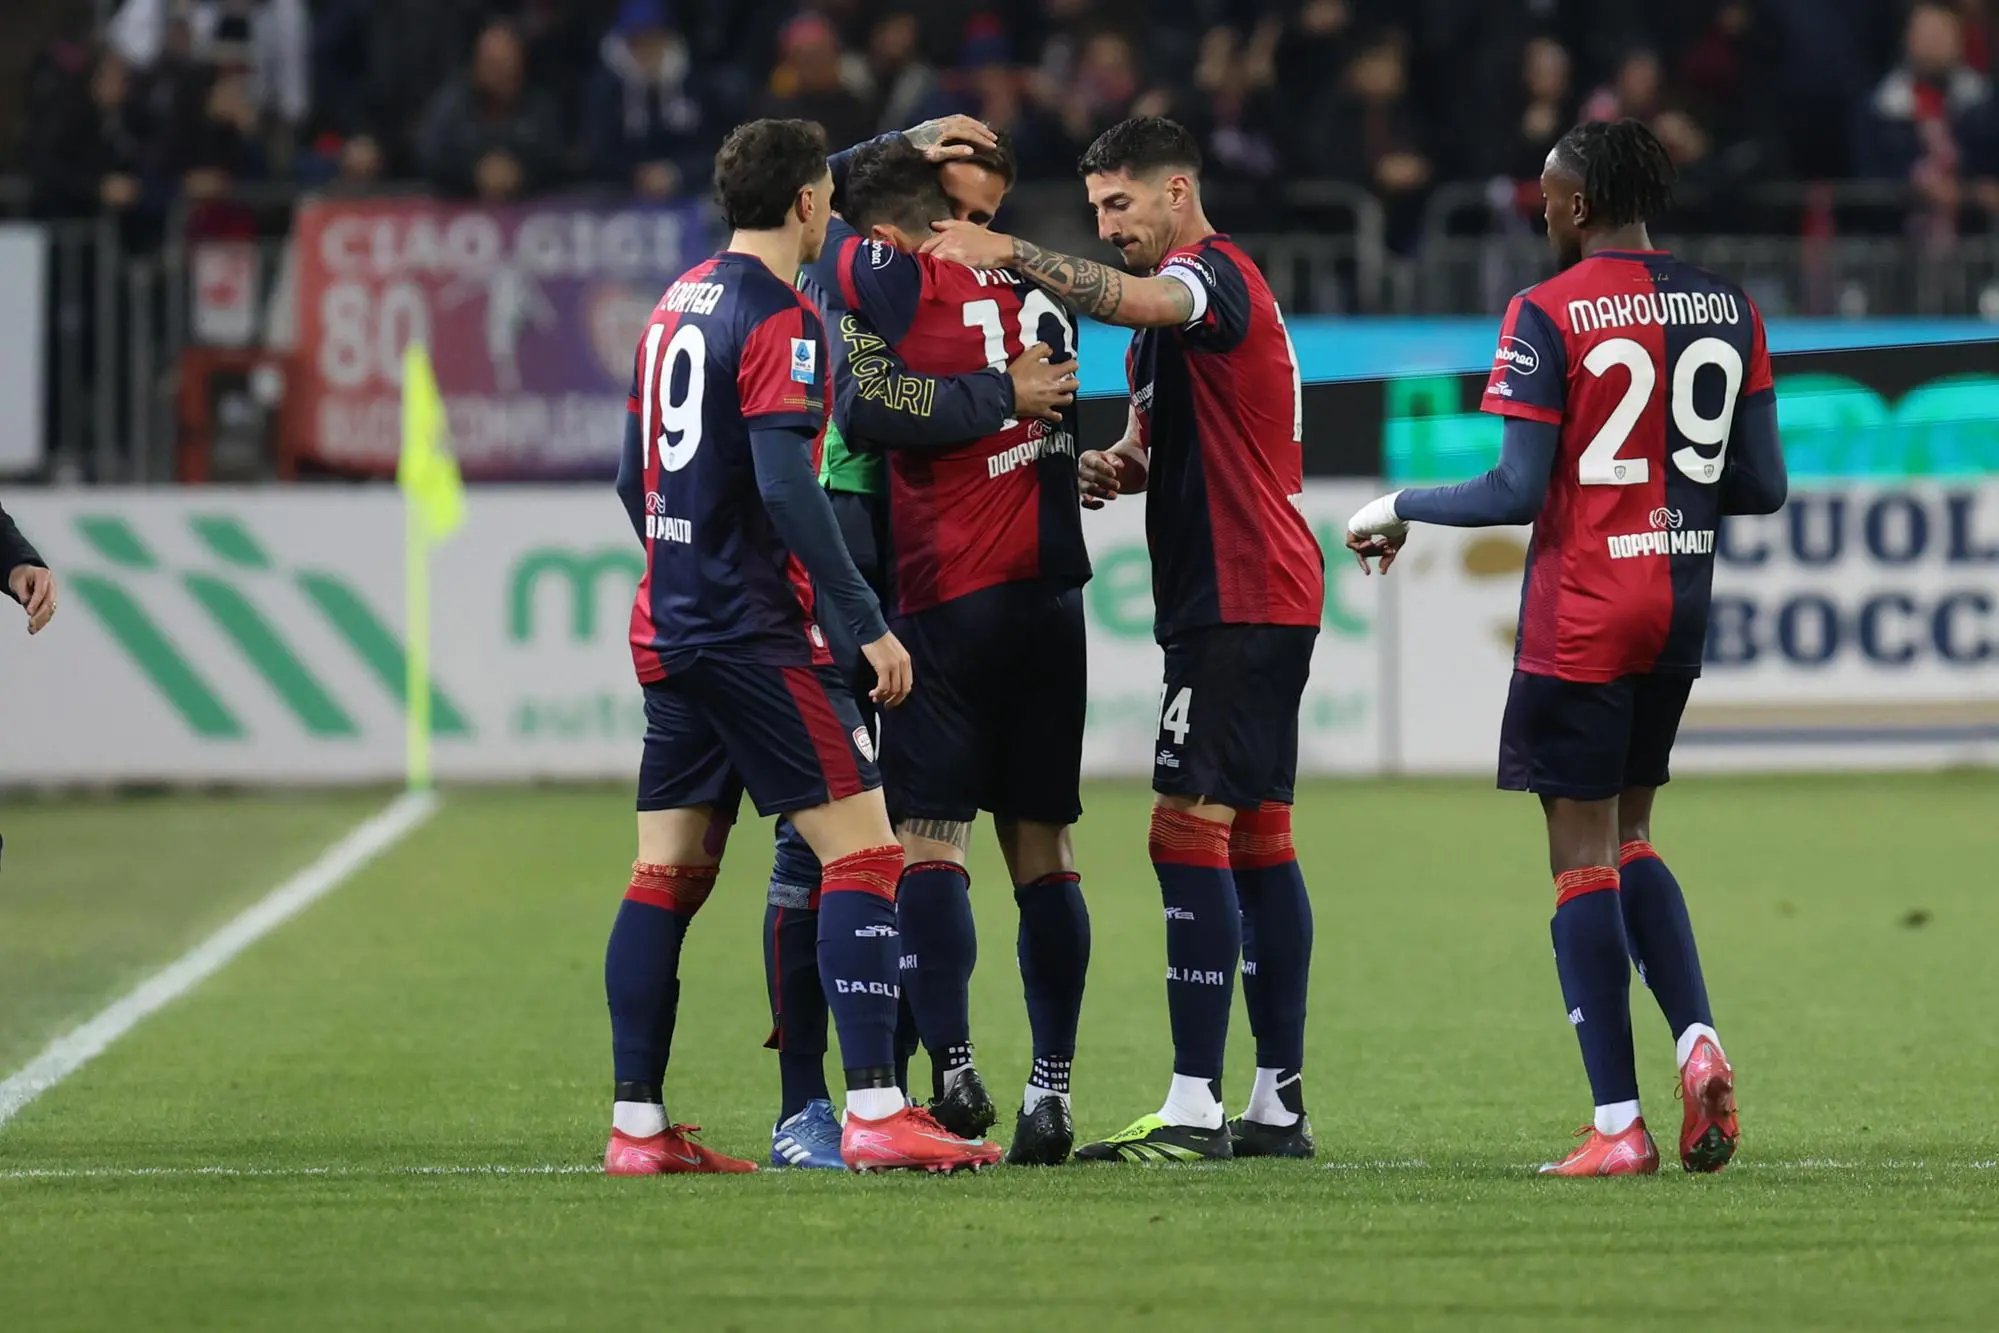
1587 740
1228 721
996 719
791 736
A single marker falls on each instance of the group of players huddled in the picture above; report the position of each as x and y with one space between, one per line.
850 460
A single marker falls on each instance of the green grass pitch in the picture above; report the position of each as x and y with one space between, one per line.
381 1117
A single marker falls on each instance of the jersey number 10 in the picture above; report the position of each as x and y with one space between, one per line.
985 317
1600 465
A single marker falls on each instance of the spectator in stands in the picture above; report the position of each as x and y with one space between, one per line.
906 89
1102 86
1637 91
1363 129
1540 112
646 124
1930 122
277 73
87 142
1236 116
218 145
815 80
562 39
487 134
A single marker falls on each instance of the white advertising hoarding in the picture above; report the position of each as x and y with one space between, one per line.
1857 628
224 635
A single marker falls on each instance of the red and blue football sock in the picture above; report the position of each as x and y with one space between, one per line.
940 946
1594 962
1276 954
1662 937
642 985
1054 949
857 966
1190 856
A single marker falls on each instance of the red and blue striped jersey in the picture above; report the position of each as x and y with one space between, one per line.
998 509
730 346
1645 362
1221 416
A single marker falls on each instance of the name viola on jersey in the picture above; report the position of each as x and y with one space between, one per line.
1031 451
1662 308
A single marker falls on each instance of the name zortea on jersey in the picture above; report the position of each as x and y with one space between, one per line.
694 298
1662 308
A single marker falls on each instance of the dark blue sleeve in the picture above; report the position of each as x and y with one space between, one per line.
15 549
631 473
1755 480
879 402
1530 369
804 520
1221 297
1513 492
881 283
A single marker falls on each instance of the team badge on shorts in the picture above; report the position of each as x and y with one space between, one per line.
804 360
864 743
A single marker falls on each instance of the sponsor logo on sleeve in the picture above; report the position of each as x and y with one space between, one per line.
880 254
804 360
1518 353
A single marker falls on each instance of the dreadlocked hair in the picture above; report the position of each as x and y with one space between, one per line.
1626 173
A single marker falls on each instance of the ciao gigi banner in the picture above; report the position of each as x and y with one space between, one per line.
531 312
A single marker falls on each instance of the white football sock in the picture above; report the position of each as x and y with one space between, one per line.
1035 1092
1190 1101
1265 1107
639 1120
1694 1032
1616 1117
874 1103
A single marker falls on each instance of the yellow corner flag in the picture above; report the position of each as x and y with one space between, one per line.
433 509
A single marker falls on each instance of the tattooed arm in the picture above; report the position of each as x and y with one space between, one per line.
1102 292
1097 290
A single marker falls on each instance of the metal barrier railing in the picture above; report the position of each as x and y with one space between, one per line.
120 316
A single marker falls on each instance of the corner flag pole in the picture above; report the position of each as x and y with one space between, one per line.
433 509
416 650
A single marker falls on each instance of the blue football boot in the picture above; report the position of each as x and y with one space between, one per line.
811 1138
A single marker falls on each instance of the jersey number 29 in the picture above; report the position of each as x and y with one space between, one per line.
1600 465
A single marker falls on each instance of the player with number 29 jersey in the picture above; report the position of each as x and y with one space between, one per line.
1643 361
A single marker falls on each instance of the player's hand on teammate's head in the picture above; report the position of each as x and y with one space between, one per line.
949 137
1097 478
1041 388
35 589
894 674
970 244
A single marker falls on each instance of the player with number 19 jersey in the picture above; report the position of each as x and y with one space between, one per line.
1643 361
740 692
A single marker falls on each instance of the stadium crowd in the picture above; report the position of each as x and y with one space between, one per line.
501 98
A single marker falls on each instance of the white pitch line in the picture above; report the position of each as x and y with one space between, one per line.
77 1047
287 1172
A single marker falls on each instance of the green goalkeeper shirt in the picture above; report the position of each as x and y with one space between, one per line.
845 469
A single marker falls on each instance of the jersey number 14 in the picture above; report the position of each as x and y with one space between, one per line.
1600 464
